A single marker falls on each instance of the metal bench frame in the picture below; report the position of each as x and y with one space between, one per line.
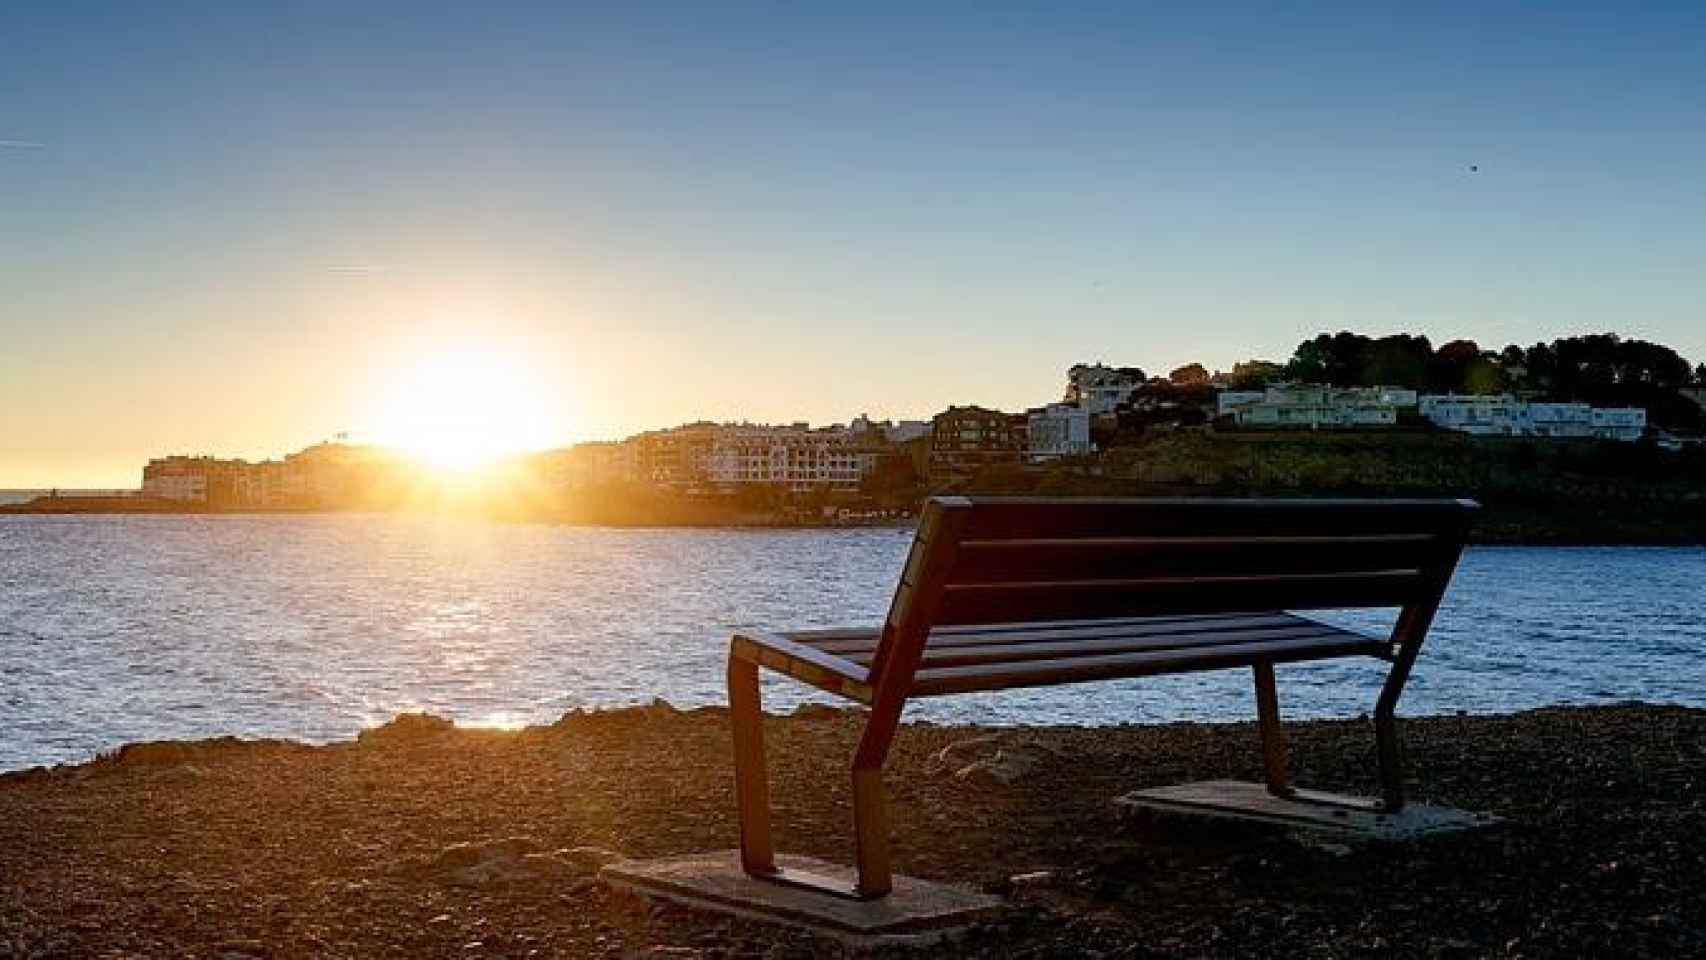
1038 564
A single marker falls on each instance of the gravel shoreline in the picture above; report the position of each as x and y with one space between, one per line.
425 840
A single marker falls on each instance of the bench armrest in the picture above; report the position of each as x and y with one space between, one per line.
802 662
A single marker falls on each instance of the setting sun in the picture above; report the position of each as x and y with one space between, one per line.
460 409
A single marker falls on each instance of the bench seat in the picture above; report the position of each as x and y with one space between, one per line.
964 659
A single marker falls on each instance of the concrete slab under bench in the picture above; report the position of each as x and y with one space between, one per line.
1350 818
916 912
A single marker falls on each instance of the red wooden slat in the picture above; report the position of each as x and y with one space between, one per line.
1098 646
847 643
968 679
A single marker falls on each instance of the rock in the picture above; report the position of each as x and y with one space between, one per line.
1031 880
816 711
513 860
154 754
659 709
957 753
479 864
1008 766
407 727
589 858
993 759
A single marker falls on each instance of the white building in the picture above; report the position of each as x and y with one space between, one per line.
1506 416
1478 415
1097 389
1619 423
1311 406
1230 400
1057 430
1573 420
794 456
727 455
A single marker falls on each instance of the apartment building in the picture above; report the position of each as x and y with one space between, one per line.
1098 389
186 479
1057 430
796 456
1506 416
711 455
964 440
1312 406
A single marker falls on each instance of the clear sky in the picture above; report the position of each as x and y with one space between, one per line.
227 228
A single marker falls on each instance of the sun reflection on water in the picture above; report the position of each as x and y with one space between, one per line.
504 720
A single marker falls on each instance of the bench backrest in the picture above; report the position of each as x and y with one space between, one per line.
979 560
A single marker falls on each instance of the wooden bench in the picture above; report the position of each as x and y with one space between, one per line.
1003 592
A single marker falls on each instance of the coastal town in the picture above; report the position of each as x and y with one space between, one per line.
954 445
1336 385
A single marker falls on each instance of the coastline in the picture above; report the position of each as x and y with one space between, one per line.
1587 528
273 848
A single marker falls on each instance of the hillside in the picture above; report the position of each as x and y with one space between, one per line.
1534 491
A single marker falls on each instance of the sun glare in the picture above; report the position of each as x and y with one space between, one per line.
462 409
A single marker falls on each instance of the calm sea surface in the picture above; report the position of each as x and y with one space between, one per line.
115 629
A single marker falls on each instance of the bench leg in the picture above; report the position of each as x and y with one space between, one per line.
870 807
1273 736
871 834
752 789
1391 761
752 794
1407 635
1388 748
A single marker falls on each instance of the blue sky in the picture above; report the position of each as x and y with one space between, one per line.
219 227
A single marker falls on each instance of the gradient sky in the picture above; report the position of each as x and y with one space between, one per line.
221 228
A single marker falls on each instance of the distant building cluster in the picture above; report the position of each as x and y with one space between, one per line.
726 456
321 475
955 445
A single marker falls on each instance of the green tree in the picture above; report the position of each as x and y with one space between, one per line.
1329 358
1190 374
1255 374
1396 361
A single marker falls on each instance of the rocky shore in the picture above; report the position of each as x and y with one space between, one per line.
424 840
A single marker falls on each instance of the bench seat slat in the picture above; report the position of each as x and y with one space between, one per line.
818 635
937 681
1097 646
853 642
